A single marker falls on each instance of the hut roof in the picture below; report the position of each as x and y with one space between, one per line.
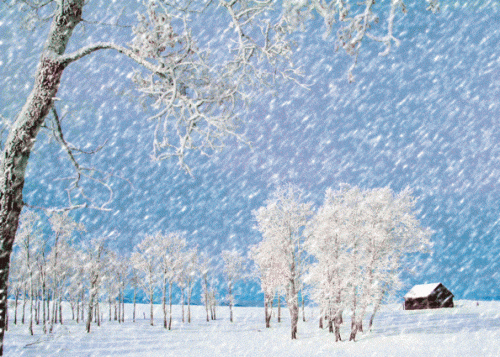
421 291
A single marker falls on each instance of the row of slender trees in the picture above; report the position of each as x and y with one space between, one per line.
49 269
348 253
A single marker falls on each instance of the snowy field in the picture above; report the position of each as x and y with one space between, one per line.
467 330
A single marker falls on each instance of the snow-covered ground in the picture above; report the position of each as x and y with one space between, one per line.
467 330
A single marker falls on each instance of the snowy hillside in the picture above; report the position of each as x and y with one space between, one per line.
467 330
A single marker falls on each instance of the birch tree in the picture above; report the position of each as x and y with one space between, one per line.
271 272
196 95
145 260
204 269
359 239
169 249
233 270
95 268
27 238
282 221
63 227
186 278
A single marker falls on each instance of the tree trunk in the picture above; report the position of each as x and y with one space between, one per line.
89 315
303 309
354 327
268 309
206 299
119 308
110 303
337 321
123 307
60 309
190 290
83 304
24 303
279 308
133 312
293 306
78 309
182 303
151 321
170 306
375 309
31 305
294 314
16 301
37 307
164 302
44 296
230 293
97 314
23 133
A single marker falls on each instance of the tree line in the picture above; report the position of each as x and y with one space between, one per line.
47 269
346 255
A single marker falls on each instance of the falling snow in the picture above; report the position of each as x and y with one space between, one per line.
427 117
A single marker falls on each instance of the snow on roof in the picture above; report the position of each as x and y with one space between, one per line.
420 291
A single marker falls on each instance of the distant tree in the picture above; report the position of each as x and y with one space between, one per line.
16 280
170 249
145 261
27 237
95 268
281 222
272 272
186 277
233 271
204 269
63 227
196 95
134 281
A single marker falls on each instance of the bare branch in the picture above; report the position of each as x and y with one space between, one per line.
87 173
85 51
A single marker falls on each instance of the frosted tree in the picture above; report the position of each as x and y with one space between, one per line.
114 281
281 221
204 268
271 272
95 262
27 242
63 227
16 280
327 243
233 270
195 93
145 260
170 249
187 277
359 239
76 286
134 281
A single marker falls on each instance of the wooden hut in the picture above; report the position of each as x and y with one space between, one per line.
428 296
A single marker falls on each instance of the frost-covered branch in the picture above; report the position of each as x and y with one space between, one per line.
87 50
357 21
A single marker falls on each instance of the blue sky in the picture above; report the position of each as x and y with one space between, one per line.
426 116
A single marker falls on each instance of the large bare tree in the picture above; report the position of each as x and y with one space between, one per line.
195 95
